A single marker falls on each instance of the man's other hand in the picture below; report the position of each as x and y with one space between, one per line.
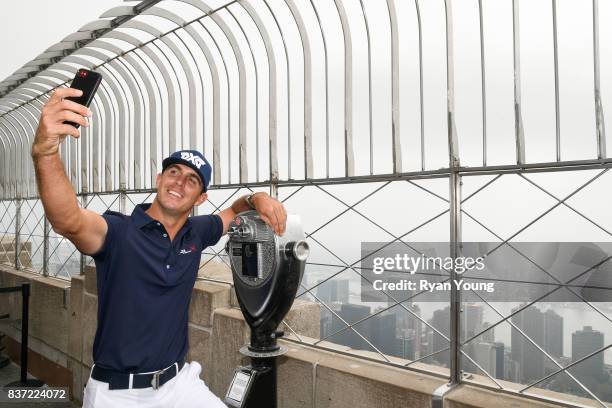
271 211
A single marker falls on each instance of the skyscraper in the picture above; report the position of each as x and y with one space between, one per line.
553 333
441 321
585 342
489 356
333 291
546 331
471 319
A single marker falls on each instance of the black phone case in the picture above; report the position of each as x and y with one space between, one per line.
88 82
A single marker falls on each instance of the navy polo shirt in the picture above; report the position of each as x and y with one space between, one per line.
144 288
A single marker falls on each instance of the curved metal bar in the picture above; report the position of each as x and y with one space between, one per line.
109 128
273 87
11 163
326 67
349 155
23 94
4 166
121 99
139 103
288 74
17 158
367 27
40 79
88 139
455 199
242 103
3 171
5 178
31 85
24 142
307 55
556 70
518 118
32 120
29 93
107 102
243 145
191 94
69 147
172 104
483 88
453 149
169 85
599 114
216 105
152 97
123 67
395 101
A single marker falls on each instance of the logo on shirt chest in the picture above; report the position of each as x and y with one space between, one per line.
191 248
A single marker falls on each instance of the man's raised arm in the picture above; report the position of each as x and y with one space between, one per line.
86 229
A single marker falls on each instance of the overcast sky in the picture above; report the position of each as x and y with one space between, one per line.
30 26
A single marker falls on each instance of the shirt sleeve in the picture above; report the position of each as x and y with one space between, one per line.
209 228
114 221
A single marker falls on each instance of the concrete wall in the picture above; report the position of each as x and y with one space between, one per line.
63 324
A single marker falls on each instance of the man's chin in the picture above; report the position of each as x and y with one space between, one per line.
174 207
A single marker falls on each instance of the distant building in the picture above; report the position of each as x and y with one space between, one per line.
585 342
333 291
546 330
489 356
489 335
472 317
553 333
441 322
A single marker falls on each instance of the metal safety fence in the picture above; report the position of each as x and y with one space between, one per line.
390 121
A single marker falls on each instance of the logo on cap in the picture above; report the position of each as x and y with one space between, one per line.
192 158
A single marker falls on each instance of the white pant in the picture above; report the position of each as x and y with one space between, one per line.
185 390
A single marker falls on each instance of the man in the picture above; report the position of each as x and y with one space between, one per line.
146 267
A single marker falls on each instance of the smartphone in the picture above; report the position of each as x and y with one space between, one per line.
88 82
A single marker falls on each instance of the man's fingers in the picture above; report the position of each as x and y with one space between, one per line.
67 115
70 106
68 130
281 219
278 228
62 93
270 219
265 219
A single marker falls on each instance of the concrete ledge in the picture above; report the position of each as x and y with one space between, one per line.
303 318
90 284
200 348
90 322
344 381
205 298
75 313
230 332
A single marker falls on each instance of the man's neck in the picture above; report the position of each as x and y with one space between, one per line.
172 223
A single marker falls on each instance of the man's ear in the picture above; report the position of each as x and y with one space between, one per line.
201 199
157 180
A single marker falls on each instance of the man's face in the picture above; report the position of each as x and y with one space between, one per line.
179 188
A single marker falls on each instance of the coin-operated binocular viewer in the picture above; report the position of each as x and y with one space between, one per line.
267 271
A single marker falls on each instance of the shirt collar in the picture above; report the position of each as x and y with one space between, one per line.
141 218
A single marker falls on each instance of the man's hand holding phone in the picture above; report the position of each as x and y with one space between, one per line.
52 128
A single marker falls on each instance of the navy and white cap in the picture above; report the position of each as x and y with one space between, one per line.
193 159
